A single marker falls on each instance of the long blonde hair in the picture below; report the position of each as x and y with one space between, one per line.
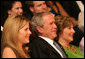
9 35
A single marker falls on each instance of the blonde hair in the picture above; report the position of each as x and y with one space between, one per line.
10 31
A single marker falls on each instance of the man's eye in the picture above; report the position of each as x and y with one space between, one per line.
51 23
44 3
26 29
69 27
39 5
17 8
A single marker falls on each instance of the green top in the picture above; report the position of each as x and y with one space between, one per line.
73 55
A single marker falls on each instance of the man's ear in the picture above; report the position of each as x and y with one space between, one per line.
40 29
31 9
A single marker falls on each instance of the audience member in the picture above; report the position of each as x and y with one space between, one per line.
36 6
46 6
65 36
43 24
10 7
14 37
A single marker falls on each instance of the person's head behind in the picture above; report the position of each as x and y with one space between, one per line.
43 24
81 21
13 7
16 32
65 28
37 6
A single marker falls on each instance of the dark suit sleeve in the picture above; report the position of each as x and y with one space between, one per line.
39 51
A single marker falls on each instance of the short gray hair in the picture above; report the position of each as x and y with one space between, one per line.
37 20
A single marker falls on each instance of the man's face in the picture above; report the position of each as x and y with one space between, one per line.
49 29
39 6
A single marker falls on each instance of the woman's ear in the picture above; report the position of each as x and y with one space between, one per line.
40 29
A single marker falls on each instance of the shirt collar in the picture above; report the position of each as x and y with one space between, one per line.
47 40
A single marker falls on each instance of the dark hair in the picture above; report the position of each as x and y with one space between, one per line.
29 3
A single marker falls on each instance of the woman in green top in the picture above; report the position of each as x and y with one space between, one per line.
65 36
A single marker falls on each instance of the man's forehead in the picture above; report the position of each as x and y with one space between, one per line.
48 17
38 2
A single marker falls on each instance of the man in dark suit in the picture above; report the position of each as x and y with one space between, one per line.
43 24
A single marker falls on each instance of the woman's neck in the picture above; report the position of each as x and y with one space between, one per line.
23 49
64 43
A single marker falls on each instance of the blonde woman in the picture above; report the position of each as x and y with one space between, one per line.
14 37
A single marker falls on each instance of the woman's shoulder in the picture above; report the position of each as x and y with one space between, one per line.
8 53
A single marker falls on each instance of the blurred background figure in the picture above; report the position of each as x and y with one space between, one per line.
36 7
45 6
14 37
8 8
81 21
81 27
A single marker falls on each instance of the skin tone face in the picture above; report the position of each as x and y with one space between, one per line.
67 34
49 29
17 8
39 6
24 34
23 38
